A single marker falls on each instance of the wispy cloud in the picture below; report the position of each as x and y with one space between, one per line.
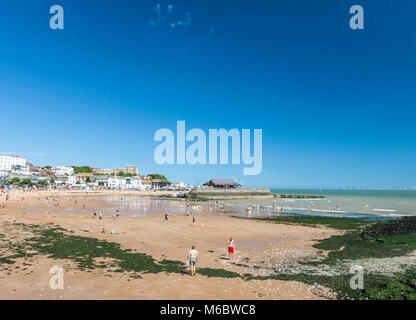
160 13
184 22
165 13
25 154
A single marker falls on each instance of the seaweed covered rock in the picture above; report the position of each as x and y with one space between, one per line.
406 225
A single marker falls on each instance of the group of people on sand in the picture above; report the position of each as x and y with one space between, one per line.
193 217
101 216
193 255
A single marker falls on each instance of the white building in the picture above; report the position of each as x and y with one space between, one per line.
123 183
18 169
3 177
63 171
101 181
178 185
13 164
72 179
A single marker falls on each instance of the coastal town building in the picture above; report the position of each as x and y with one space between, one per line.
132 169
63 170
129 169
125 183
158 184
119 171
14 164
34 170
178 186
101 181
3 179
19 169
84 177
222 183
146 181
72 179
118 178
61 180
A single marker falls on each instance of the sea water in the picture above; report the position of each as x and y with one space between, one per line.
349 203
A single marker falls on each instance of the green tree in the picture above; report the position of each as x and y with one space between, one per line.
88 180
15 181
83 169
43 183
26 182
157 176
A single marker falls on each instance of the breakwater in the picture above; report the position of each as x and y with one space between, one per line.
228 194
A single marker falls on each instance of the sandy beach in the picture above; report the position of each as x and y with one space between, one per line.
264 242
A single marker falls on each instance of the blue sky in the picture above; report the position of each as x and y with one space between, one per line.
336 106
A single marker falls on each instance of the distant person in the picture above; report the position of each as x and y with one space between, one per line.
166 216
192 256
280 211
231 248
193 219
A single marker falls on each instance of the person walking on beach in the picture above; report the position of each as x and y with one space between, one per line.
166 216
249 211
194 219
231 248
192 257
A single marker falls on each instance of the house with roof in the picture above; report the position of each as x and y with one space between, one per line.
101 181
222 183
125 183
84 177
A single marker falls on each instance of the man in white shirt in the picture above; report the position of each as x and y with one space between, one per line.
192 256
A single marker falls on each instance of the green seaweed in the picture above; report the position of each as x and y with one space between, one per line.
364 239
330 222
85 252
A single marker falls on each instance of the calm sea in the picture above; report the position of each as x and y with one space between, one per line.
380 202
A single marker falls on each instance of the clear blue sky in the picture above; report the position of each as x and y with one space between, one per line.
337 106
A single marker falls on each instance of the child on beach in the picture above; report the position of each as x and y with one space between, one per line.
231 248
193 219
166 216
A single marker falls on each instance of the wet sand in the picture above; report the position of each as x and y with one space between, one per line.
162 240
